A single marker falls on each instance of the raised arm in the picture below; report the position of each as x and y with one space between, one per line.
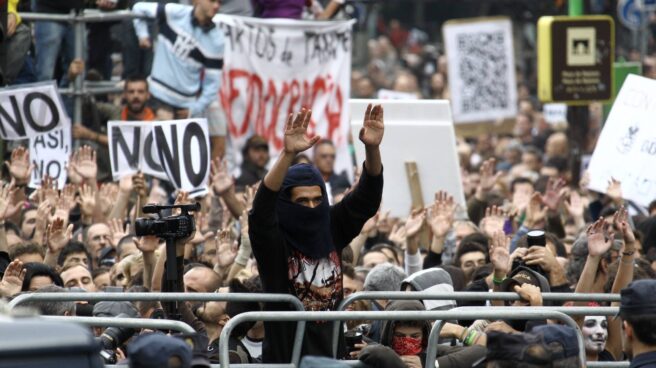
371 135
295 141
144 10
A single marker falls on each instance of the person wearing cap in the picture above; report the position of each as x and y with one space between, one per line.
255 157
156 350
638 314
297 237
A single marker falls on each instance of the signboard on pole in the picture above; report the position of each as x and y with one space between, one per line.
419 131
481 65
575 59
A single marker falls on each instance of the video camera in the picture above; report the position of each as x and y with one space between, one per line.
170 227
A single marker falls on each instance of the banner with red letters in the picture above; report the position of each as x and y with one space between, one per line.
273 67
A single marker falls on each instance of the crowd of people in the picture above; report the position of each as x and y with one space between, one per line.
296 226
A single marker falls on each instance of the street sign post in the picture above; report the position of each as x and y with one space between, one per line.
575 59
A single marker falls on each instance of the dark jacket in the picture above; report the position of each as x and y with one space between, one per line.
250 174
275 257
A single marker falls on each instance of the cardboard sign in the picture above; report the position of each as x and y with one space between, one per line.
183 147
274 67
420 131
481 64
132 149
30 110
49 153
626 149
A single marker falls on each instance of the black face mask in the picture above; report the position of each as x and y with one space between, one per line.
305 229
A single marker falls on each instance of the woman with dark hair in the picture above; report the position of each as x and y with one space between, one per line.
38 275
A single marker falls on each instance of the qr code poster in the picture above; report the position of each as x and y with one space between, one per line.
481 66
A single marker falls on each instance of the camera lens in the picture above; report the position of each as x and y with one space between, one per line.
536 237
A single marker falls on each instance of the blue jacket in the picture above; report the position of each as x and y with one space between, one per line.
645 360
186 70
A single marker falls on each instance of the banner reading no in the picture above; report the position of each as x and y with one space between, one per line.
274 67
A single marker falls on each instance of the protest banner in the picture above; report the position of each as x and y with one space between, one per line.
415 131
30 110
36 112
481 67
132 149
183 147
273 67
626 149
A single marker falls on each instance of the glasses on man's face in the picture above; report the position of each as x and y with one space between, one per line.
327 155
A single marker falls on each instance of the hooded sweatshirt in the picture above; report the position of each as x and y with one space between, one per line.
298 251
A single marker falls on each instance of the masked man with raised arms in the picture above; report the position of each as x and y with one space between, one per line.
297 237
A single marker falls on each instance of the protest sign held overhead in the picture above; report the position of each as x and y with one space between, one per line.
274 67
30 110
626 149
184 152
415 131
481 69
132 149
49 153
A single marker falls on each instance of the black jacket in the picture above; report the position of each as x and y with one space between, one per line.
277 262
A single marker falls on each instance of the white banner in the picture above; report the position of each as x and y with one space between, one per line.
481 66
626 149
274 67
184 151
132 149
49 153
420 131
30 110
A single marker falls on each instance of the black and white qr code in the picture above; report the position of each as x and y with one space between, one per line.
483 71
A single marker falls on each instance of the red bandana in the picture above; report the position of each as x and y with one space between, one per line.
406 345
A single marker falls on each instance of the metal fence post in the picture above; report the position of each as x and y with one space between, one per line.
80 39
126 322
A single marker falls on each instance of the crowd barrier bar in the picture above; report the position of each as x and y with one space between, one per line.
499 313
463 296
153 324
79 21
197 297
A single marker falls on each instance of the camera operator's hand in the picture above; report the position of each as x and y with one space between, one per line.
147 244
541 256
358 348
19 165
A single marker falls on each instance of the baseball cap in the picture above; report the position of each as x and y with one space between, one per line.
524 275
520 347
154 350
198 344
638 299
113 309
564 336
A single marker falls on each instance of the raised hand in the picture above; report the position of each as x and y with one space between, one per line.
117 231
415 222
574 205
398 235
370 225
535 212
600 238
220 179
554 194
87 199
225 251
614 190
139 185
488 176
373 126
48 190
493 221
620 220
68 195
295 139
249 196
19 165
500 254
86 165
12 280
7 206
107 196
440 214
71 168
57 237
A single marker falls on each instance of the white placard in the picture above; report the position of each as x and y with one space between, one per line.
49 153
420 131
626 149
274 67
184 151
31 110
481 65
555 113
132 149
388 94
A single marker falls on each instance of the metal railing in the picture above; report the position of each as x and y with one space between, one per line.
510 313
153 324
465 296
79 21
197 297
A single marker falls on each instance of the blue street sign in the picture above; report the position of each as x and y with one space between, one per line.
629 14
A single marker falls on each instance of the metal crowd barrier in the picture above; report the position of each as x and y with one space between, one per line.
197 297
152 324
465 296
79 21
475 313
